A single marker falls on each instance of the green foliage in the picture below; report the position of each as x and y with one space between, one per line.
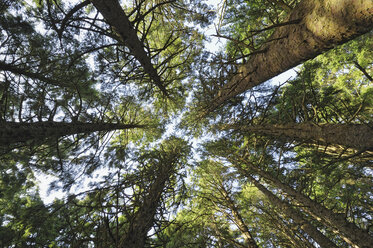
249 24
61 61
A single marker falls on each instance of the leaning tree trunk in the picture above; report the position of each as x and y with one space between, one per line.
318 25
249 240
297 216
144 217
20 132
357 136
115 16
348 231
289 230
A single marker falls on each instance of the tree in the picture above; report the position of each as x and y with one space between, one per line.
311 28
351 233
118 213
213 177
13 132
143 218
266 167
113 13
105 96
357 136
297 216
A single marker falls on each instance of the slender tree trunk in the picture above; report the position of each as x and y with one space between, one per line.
18 132
144 217
249 240
357 136
115 16
297 216
17 69
348 231
320 25
288 229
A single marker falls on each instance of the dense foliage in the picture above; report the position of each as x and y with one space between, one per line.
120 124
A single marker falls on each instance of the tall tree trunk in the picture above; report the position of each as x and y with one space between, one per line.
320 25
357 136
294 214
289 230
144 217
348 231
115 16
17 132
249 240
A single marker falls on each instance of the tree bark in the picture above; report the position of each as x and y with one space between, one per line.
348 231
297 216
115 16
289 230
357 136
144 217
19 132
322 25
249 240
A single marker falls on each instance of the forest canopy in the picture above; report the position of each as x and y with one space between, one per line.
155 140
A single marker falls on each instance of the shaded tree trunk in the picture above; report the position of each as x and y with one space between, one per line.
357 136
320 25
143 219
348 231
294 214
115 16
18 132
249 240
288 229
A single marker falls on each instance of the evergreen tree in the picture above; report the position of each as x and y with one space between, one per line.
107 96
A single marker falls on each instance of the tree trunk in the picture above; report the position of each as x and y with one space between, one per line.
348 231
18 132
144 217
19 70
289 230
294 214
357 136
249 240
115 16
320 25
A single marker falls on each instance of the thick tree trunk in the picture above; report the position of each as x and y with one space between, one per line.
249 240
115 16
144 217
322 24
352 234
18 132
357 136
297 216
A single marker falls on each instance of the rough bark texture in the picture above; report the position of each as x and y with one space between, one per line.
322 25
17 132
296 216
249 240
357 136
144 217
115 16
353 235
